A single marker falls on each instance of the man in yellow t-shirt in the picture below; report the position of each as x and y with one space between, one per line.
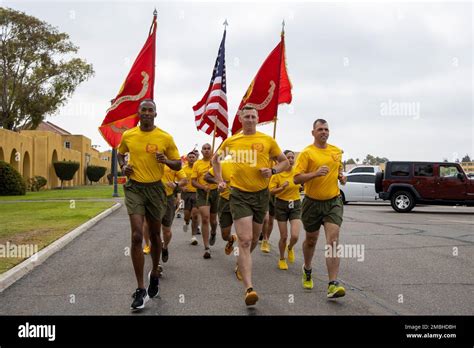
189 197
319 168
207 199
252 153
149 149
287 208
225 216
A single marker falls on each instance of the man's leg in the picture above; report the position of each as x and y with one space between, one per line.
256 229
332 239
308 248
138 260
283 227
187 218
244 231
195 221
295 226
167 235
213 221
204 211
154 228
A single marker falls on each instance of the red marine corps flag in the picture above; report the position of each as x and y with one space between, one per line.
270 87
138 85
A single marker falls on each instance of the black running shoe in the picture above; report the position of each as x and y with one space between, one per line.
164 254
198 231
140 297
212 240
154 285
207 253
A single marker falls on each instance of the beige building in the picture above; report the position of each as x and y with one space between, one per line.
32 152
468 167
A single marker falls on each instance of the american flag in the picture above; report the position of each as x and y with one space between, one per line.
214 103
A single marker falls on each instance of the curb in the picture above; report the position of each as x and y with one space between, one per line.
20 270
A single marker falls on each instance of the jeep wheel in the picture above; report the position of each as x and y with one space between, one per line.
403 201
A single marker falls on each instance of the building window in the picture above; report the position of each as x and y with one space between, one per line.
67 144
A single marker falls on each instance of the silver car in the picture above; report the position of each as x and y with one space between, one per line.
360 187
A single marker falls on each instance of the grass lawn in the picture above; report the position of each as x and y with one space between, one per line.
41 223
78 192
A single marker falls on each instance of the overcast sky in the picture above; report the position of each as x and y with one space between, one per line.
393 79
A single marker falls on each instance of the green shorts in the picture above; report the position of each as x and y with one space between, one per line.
287 210
271 205
145 198
243 204
315 213
167 220
189 199
225 216
203 199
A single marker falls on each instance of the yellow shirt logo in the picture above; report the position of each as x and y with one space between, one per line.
151 148
258 147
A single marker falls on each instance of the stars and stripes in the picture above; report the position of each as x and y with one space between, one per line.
213 104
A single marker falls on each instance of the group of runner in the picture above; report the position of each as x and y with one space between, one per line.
246 184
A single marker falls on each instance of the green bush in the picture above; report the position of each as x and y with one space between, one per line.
36 183
65 170
11 182
95 173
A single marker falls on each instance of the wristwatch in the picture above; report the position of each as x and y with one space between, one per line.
274 171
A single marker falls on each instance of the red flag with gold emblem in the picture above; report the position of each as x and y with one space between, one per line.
123 113
270 87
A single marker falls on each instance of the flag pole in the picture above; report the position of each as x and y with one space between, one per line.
282 35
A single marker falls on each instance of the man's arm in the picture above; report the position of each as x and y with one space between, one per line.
124 167
197 185
210 179
283 164
173 164
304 177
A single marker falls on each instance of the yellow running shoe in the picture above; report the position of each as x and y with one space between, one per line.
307 280
237 273
230 245
335 290
282 264
251 297
265 247
146 249
291 254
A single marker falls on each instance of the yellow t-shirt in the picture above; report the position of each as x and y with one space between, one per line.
171 175
142 147
309 160
200 168
292 191
226 168
249 154
189 171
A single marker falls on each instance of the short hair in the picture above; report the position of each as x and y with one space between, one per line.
147 100
320 120
288 151
191 153
205 145
248 107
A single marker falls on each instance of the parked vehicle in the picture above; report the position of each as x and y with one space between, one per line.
365 169
407 183
360 187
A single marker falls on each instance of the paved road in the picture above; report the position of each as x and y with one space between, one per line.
407 257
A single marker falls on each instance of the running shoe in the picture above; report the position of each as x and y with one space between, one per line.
185 227
153 286
335 290
230 244
146 249
194 241
307 279
198 230
251 297
140 297
282 265
291 254
207 253
265 247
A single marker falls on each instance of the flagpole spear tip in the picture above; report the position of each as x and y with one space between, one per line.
225 24
283 27
155 12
